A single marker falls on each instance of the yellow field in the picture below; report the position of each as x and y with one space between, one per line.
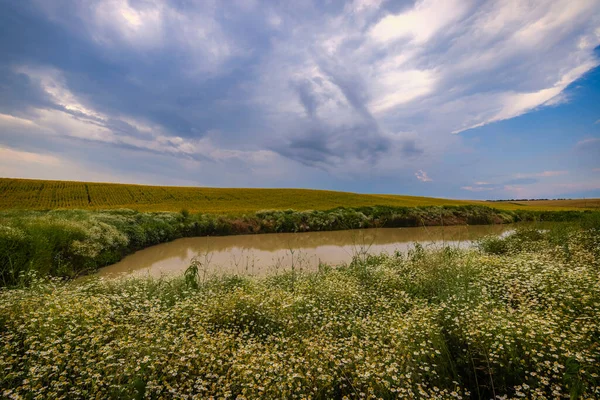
43 194
563 204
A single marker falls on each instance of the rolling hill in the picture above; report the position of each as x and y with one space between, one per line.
46 194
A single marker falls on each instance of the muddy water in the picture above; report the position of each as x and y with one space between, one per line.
270 253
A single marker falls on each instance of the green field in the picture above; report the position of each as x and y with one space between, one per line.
45 195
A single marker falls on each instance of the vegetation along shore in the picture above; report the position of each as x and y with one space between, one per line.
515 318
67 243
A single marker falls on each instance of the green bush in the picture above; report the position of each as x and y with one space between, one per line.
493 245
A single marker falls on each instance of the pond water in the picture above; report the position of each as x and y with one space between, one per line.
270 253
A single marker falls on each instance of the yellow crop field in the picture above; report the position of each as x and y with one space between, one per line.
553 204
44 194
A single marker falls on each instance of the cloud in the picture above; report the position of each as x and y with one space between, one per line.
585 188
513 188
65 114
522 181
8 155
365 90
420 23
514 104
514 184
587 142
398 76
414 84
422 176
476 188
543 174
481 187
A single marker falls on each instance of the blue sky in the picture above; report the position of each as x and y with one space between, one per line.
447 98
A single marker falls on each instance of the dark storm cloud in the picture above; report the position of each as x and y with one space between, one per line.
316 142
410 148
307 98
18 93
322 146
351 86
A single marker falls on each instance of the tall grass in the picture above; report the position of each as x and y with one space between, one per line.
444 324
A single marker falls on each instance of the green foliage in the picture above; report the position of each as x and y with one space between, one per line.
185 214
532 238
191 275
493 245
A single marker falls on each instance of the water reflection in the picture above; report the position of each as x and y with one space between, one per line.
269 253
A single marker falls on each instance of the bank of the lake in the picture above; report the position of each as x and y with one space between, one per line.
68 243
517 318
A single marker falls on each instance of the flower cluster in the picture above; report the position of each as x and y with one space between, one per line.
447 324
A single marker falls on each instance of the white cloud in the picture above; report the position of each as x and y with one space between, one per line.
8 155
477 188
140 27
513 188
422 176
421 22
511 185
587 142
545 190
8 121
577 186
32 165
543 174
399 87
53 83
360 6
146 26
514 104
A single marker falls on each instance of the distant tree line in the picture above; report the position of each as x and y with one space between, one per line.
526 199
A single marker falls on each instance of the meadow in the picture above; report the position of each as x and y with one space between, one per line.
516 317
28 194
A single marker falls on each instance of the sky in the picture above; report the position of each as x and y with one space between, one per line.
446 98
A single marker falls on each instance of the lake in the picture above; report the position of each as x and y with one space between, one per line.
269 253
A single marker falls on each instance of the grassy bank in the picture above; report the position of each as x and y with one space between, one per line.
516 319
32 194
68 243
